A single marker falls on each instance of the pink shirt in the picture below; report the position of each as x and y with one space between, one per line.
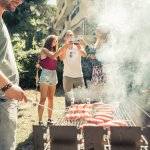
49 63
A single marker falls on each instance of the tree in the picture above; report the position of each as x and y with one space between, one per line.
28 27
31 22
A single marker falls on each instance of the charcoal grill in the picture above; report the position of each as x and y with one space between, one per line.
67 135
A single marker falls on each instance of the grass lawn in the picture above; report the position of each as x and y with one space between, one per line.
28 116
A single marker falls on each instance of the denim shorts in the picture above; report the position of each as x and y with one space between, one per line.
8 123
48 76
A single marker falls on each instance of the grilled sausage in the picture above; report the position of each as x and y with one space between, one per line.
85 115
108 115
119 122
71 110
93 120
69 117
105 110
100 104
105 119
107 124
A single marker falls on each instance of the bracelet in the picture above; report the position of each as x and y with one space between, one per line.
6 87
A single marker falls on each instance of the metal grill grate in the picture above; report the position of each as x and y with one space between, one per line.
67 135
122 113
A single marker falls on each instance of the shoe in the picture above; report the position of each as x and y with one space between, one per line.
50 122
41 123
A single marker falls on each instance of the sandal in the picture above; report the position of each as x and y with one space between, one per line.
41 123
50 122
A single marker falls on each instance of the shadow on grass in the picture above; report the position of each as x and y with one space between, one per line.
27 144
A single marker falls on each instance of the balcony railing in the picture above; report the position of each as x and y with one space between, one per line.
63 5
74 12
63 27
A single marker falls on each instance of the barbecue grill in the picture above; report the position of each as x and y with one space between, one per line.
67 134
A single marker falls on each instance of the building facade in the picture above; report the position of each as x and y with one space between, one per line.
75 15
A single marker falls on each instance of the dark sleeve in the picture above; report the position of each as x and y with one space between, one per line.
90 50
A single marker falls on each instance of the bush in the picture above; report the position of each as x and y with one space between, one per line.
26 61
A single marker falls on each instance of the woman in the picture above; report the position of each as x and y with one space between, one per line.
48 78
97 71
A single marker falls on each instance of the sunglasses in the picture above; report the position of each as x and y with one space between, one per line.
70 55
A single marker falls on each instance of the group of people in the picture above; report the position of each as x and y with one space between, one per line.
11 93
72 76
70 53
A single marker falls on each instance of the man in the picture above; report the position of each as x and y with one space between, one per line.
9 79
72 75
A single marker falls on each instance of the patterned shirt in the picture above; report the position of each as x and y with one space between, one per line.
90 51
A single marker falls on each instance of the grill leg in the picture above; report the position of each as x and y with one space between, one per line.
38 134
93 138
125 138
146 133
63 137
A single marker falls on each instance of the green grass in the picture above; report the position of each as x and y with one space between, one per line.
28 116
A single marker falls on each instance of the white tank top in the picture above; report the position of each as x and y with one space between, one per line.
72 63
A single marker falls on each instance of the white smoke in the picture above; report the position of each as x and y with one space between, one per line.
126 55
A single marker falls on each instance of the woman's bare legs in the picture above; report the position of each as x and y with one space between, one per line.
50 93
43 92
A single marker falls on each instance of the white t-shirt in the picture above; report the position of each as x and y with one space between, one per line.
72 63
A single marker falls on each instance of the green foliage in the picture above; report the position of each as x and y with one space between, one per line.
29 26
32 21
26 62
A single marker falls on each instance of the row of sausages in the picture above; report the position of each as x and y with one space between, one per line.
97 114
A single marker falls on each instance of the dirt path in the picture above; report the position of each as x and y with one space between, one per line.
28 117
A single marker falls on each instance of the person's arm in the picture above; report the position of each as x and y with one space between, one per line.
81 50
10 90
51 54
100 38
98 43
89 50
63 54
3 80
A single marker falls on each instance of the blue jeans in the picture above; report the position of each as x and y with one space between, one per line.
49 76
8 121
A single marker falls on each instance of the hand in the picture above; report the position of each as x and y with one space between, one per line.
79 46
99 35
15 92
37 65
68 44
82 42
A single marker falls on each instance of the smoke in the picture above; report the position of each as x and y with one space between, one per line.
126 55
